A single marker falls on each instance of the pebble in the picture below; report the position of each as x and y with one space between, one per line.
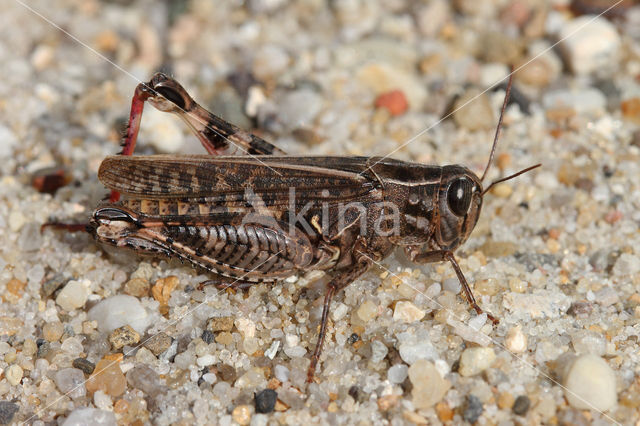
521 405
220 324
367 311
206 360
70 381
475 360
162 289
102 401
242 414
269 61
627 264
84 364
146 379
52 331
588 342
13 374
388 402
590 44
164 135
281 373
10 326
590 383
631 109
108 378
30 237
473 111
505 400
123 336
265 401
158 343
137 287
515 340
407 312
117 311
393 101
428 386
7 410
412 351
73 295
378 351
300 108
9 142
472 409
208 336
398 373
224 338
584 101
90 416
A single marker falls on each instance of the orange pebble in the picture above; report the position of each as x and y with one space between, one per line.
394 101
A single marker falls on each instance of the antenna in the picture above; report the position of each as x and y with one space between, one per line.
495 182
497 135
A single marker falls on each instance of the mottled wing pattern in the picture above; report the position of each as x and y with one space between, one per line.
276 180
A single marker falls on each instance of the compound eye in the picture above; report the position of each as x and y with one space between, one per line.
171 95
459 196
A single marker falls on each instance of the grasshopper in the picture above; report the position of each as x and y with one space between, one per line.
264 216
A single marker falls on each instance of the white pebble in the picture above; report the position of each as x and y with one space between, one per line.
102 400
428 386
339 311
73 295
165 135
120 310
8 142
281 372
246 327
398 373
452 285
295 351
516 340
90 416
410 352
13 373
16 220
590 44
206 360
589 342
590 384
475 360
209 378
273 349
378 351
627 264
407 312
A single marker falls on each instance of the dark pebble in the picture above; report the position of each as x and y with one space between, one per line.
353 338
227 372
265 401
521 406
84 364
635 138
43 349
533 261
208 336
472 409
354 392
49 287
580 308
7 411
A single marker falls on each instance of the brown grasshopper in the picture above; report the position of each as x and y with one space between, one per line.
267 216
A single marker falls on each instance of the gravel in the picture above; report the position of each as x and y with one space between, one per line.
555 254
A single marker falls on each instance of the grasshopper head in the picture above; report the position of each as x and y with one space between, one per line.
460 202
111 225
